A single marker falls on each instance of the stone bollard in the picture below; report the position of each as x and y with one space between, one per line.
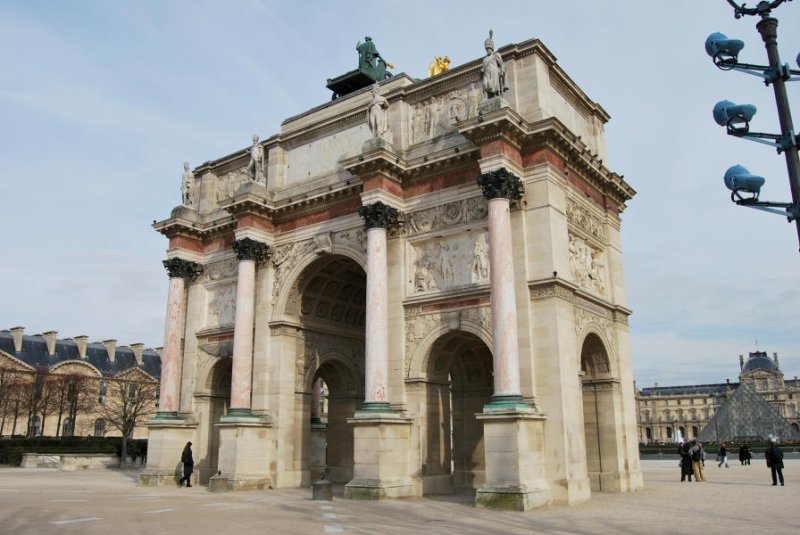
322 490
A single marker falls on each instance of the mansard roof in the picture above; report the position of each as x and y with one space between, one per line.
34 353
688 390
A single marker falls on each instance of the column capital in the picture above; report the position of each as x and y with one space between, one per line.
185 269
500 184
378 215
250 249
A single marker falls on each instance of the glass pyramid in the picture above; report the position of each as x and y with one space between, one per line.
746 416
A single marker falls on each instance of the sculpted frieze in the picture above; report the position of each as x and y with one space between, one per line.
446 215
584 219
438 115
221 269
228 184
451 262
221 305
587 266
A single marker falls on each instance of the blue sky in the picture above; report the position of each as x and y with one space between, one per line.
101 103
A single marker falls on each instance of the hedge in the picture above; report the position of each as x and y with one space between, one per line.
11 449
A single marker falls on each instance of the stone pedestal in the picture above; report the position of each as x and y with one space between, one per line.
515 463
167 436
382 467
491 104
244 454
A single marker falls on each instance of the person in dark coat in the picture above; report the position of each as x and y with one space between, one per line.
188 465
774 457
686 462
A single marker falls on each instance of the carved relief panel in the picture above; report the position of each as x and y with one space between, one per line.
220 279
438 115
588 266
446 263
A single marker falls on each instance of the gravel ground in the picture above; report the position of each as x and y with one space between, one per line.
739 499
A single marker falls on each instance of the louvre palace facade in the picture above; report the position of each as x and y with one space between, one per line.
444 254
687 410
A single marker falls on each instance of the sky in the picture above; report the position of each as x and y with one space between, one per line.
102 102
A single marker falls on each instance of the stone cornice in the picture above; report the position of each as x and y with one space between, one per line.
548 134
382 160
562 289
501 124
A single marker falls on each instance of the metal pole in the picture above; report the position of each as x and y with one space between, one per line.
768 28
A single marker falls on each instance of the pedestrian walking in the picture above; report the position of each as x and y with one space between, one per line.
722 456
774 457
188 465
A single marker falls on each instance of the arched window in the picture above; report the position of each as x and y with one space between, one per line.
648 433
67 428
36 426
695 431
669 432
100 427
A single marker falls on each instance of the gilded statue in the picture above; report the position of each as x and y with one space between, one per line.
439 65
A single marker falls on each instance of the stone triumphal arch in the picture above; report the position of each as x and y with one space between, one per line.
441 258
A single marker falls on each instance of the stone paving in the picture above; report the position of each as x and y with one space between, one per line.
739 499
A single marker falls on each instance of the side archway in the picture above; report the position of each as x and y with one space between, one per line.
601 415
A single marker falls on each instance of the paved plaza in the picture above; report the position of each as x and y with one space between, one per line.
734 500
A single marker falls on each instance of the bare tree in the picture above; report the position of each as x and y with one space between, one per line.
128 404
72 394
8 384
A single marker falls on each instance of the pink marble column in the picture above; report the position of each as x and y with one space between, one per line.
249 253
377 218
179 270
500 187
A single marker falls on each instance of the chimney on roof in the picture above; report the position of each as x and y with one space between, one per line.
80 341
137 352
775 358
16 334
50 339
741 362
111 349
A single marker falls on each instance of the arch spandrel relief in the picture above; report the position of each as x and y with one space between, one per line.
422 329
587 322
290 257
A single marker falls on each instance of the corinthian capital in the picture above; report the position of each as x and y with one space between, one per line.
249 249
500 184
378 215
185 269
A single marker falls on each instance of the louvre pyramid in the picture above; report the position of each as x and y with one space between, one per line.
747 416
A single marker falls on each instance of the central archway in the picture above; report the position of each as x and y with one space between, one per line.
458 385
331 292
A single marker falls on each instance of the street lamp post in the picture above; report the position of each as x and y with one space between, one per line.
745 187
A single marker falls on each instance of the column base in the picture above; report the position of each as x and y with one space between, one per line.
505 402
381 467
512 497
168 434
246 447
514 449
